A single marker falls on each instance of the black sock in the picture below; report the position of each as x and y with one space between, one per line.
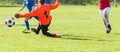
38 29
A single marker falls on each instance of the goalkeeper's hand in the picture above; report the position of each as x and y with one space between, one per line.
18 15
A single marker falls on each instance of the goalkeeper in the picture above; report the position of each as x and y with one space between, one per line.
43 13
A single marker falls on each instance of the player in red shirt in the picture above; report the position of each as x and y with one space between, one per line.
43 13
104 11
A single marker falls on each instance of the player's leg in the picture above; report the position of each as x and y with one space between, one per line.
30 8
36 30
102 13
39 26
103 17
106 14
45 29
27 30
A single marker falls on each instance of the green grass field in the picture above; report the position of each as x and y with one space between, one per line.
81 28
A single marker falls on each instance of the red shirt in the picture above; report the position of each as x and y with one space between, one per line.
104 4
43 13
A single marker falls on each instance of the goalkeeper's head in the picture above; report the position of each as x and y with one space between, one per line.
41 2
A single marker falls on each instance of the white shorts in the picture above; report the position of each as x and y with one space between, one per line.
102 12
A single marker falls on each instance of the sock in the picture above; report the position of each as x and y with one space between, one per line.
107 21
27 25
39 27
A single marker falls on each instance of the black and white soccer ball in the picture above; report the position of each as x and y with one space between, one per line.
10 22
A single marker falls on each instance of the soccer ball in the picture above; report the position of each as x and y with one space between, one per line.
10 22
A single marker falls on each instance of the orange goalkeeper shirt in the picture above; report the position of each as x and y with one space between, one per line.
43 13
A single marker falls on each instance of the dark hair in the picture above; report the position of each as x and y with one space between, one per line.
42 2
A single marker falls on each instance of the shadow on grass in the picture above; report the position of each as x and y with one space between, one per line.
117 33
74 37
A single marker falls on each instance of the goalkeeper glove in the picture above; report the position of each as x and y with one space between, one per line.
18 15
